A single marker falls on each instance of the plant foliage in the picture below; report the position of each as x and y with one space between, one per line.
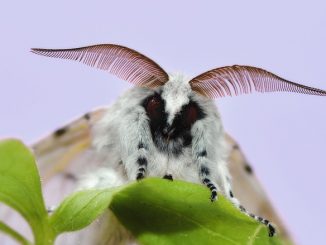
156 211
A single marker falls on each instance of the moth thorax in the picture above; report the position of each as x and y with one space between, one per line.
176 93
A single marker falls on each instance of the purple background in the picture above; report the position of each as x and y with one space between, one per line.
283 135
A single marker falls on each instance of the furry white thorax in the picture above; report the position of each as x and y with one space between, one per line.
123 138
118 133
176 93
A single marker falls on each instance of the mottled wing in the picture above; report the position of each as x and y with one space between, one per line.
65 154
61 157
123 62
249 190
236 80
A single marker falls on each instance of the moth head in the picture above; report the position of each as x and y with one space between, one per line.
171 109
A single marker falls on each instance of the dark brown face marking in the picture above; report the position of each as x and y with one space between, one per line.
190 114
178 134
61 131
155 107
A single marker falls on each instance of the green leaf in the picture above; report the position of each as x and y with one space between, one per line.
80 209
14 234
20 187
158 211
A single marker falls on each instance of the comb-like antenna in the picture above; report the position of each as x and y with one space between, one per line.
235 80
123 62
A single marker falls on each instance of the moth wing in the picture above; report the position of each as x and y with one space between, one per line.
249 190
66 153
61 157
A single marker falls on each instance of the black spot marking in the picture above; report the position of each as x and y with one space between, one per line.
61 131
231 194
252 215
271 230
168 177
140 176
248 168
205 181
213 196
210 185
70 176
260 219
142 161
141 145
212 188
141 170
204 170
242 208
87 116
203 154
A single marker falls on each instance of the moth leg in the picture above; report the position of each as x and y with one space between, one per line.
141 161
225 184
212 186
168 177
267 223
205 174
136 144
236 203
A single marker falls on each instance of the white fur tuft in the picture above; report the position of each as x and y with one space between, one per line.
176 93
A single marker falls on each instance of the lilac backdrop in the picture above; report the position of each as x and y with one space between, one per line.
283 135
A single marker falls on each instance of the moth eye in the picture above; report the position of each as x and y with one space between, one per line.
191 115
153 106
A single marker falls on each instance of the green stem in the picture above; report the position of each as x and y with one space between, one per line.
44 234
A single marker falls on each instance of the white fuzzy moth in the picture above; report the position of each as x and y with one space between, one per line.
167 126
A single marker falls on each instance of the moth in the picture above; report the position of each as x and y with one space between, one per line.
166 126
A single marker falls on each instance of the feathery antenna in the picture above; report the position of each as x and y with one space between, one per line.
235 80
123 62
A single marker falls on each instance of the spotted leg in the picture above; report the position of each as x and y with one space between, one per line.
141 162
229 194
205 174
136 144
213 187
271 228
